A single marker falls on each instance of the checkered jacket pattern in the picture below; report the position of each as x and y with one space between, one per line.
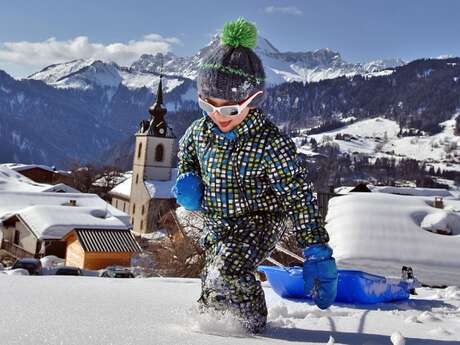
250 169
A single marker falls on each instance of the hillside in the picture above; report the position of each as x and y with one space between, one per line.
378 137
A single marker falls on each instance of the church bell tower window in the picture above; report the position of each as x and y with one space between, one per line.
159 152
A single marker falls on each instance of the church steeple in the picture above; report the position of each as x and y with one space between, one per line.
158 126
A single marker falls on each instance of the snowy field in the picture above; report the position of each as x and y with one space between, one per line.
85 310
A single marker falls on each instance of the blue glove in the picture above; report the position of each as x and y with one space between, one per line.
320 274
189 191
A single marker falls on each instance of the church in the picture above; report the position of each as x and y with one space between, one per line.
146 196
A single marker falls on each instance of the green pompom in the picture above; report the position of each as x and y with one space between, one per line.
239 33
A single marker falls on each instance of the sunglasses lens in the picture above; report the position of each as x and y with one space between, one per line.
229 111
205 106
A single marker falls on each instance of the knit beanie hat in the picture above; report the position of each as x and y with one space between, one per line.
232 70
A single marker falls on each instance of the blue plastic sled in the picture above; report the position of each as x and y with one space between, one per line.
355 287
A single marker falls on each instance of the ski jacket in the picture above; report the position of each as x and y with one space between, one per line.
252 168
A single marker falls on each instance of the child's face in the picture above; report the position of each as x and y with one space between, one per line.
224 123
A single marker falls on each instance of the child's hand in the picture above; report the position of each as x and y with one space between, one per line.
320 274
189 191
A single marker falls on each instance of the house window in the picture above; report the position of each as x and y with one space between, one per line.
132 221
159 151
124 207
134 209
139 150
137 178
143 210
142 225
116 203
16 237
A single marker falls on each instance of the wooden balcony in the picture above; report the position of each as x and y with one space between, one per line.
15 250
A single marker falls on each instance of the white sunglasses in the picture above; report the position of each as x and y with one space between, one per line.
227 110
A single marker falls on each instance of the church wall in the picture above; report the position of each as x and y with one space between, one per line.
140 197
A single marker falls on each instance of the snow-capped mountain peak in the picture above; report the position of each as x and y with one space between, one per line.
280 67
81 73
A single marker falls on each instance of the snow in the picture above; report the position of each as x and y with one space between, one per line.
378 137
54 222
124 188
135 80
21 167
162 189
90 310
379 233
51 209
157 189
447 221
417 191
11 180
81 74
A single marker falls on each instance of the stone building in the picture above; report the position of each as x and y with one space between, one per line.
147 196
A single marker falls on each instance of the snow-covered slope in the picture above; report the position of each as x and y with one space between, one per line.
378 137
89 310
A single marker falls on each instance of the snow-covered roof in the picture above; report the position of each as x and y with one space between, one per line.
115 180
418 191
123 189
54 222
22 167
11 180
380 232
161 189
53 212
415 191
157 189
343 189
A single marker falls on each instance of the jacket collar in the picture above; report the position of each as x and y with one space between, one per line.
249 126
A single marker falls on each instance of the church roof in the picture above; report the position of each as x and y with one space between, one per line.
162 189
156 188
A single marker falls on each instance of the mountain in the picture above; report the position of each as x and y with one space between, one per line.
81 113
419 95
88 110
279 66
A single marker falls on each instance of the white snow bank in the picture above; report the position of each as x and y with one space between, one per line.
51 261
379 233
95 311
445 221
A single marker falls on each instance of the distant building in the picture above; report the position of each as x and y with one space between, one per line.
82 228
41 224
147 196
41 173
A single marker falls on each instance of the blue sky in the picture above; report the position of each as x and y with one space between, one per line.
34 34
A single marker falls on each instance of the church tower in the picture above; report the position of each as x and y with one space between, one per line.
154 161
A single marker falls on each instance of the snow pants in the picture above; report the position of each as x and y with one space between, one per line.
233 249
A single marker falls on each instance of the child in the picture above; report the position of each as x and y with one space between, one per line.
241 173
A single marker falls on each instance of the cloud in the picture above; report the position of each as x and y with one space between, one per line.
290 10
53 51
